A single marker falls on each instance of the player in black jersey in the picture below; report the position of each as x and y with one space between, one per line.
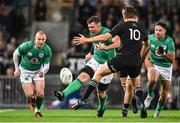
129 56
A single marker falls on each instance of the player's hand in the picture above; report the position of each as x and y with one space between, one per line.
88 57
77 40
161 50
102 47
17 73
41 74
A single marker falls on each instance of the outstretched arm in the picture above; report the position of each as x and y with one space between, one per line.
81 39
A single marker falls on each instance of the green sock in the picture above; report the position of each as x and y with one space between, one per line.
160 106
102 103
39 102
74 86
150 92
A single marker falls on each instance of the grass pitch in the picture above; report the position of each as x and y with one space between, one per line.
25 115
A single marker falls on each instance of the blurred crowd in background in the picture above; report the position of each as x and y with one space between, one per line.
15 23
17 16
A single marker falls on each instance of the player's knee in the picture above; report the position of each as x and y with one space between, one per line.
29 94
40 93
151 81
152 76
88 71
101 94
84 77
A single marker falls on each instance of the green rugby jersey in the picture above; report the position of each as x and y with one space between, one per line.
155 57
33 58
101 56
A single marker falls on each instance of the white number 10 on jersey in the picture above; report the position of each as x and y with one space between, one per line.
134 34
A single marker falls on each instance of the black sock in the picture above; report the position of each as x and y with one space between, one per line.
133 99
92 85
126 106
139 94
30 99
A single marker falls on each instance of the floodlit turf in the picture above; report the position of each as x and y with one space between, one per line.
25 115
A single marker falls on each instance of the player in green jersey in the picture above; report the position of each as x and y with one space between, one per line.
159 64
34 64
95 59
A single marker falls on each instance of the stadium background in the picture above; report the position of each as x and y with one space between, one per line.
63 19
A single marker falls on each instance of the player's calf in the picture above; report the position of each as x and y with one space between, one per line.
134 105
32 102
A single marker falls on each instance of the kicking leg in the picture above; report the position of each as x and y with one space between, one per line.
103 71
85 75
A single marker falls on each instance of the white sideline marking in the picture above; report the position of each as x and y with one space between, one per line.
6 110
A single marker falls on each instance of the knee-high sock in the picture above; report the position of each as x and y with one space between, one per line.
140 95
39 103
160 105
102 103
126 106
150 92
92 85
74 86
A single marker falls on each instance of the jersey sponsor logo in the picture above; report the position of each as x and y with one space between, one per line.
97 46
34 60
41 55
158 52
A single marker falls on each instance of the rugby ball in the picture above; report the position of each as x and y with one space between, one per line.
66 76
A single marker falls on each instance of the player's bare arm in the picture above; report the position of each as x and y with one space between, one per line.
17 72
82 39
115 44
144 49
170 57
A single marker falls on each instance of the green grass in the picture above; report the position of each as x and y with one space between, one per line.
25 115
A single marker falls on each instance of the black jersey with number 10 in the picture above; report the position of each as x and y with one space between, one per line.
131 34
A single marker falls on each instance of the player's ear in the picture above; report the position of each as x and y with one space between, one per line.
165 30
